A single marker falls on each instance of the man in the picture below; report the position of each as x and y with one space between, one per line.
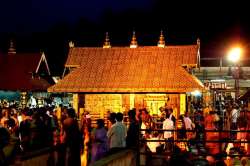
133 130
117 133
171 116
235 115
162 113
188 125
168 125
168 135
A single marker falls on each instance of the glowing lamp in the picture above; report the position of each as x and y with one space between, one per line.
234 54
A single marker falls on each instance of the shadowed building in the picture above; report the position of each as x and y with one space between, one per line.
24 72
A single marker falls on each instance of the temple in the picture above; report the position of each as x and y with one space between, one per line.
120 78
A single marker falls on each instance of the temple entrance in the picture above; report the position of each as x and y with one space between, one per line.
153 102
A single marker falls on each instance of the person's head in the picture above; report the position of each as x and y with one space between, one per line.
100 123
24 112
5 113
119 117
108 111
71 113
131 114
112 117
166 110
181 117
144 111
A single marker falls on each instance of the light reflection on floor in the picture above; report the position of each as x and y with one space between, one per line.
84 157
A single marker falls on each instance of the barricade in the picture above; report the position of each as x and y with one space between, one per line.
183 146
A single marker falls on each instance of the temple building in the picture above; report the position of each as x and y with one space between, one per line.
121 78
23 73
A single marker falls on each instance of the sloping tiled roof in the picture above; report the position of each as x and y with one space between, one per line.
16 73
186 54
245 96
129 70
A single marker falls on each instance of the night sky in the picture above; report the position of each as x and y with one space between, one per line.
48 25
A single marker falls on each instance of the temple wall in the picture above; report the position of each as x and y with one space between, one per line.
99 104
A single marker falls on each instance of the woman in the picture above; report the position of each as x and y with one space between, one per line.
99 141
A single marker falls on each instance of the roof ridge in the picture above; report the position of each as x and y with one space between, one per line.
127 47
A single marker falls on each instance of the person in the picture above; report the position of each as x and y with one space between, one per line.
235 115
86 120
168 135
188 125
108 122
171 116
248 127
5 117
4 141
146 122
133 130
99 141
162 114
213 148
199 124
117 133
8 121
242 125
71 139
25 132
181 133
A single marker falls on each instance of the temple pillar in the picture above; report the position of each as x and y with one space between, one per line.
182 103
131 101
75 102
23 99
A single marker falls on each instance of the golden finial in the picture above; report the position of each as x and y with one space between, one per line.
12 49
107 42
71 44
161 42
133 43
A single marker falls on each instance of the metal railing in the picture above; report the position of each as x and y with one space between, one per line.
218 140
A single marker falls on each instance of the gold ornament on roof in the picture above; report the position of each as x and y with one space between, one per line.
107 42
133 43
161 42
71 44
12 49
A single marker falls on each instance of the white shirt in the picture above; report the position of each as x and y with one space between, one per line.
168 125
188 123
117 135
235 115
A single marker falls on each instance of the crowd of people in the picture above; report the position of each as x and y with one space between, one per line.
37 128
206 132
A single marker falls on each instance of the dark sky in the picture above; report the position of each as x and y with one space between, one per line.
48 25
